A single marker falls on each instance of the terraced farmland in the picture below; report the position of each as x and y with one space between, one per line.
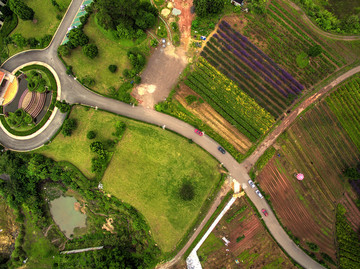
229 100
317 146
345 103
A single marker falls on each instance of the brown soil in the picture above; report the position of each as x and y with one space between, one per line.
160 75
79 207
353 213
257 242
185 19
108 225
292 212
210 117
8 229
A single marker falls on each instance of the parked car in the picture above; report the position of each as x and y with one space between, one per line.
264 212
259 194
251 183
221 150
199 132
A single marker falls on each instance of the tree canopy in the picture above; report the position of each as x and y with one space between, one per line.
204 8
125 16
22 10
78 38
90 50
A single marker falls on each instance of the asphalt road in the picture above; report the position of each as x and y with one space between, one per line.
75 93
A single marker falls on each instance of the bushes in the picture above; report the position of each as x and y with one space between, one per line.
313 246
91 135
154 43
315 50
63 106
240 238
68 127
22 10
242 209
90 50
78 38
187 192
64 51
190 99
112 68
204 8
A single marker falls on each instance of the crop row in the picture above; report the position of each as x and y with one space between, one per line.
231 102
301 32
245 77
272 65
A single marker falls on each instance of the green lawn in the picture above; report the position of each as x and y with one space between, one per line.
76 148
146 170
110 52
46 21
211 244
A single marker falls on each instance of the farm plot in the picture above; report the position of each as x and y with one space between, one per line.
250 243
229 100
272 87
345 103
317 146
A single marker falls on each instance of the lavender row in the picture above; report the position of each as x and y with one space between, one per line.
298 87
252 64
245 40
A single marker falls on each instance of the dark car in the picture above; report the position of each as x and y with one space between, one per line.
199 132
221 150
265 212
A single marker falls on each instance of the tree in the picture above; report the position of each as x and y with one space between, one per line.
63 106
69 126
154 43
187 191
39 166
90 50
6 11
112 68
315 51
22 10
78 38
91 135
19 40
64 50
204 8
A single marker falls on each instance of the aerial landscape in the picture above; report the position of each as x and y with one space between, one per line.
180 134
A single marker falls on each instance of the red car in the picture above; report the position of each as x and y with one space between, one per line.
265 212
199 132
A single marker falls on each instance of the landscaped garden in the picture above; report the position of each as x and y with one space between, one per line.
131 177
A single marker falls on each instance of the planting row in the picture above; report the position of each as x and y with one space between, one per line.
229 100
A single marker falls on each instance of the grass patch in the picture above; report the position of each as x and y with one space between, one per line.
47 18
147 169
246 258
111 51
37 247
302 60
211 244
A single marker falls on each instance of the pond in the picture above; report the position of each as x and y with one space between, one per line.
65 216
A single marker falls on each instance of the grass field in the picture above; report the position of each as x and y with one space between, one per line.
317 146
47 19
111 51
146 170
249 243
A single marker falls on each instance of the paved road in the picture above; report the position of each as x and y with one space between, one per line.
73 92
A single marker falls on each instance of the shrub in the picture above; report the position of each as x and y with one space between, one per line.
90 50
69 126
240 238
63 106
78 38
112 68
22 10
137 79
190 99
187 192
64 51
315 51
88 81
91 135
313 246
154 43
174 26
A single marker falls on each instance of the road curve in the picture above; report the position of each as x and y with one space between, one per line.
75 93
317 29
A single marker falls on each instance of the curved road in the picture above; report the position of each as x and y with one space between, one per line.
75 93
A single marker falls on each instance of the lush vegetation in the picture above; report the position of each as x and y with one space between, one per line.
347 240
205 8
19 119
229 100
126 18
238 212
344 102
63 106
22 10
37 81
126 247
332 16
262 161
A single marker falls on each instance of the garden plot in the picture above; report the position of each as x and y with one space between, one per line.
250 244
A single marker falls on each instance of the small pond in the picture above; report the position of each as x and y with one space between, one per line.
65 216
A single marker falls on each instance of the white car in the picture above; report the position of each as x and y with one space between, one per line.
259 194
251 183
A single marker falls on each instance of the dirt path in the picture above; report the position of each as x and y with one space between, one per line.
224 190
316 29
289 119
185 19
